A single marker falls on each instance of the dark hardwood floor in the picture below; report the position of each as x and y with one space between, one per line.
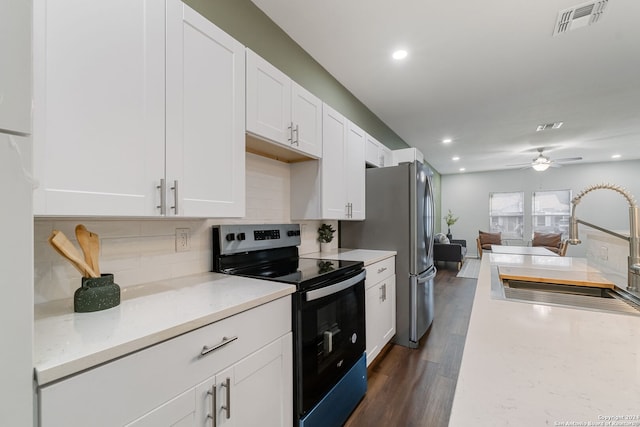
415 387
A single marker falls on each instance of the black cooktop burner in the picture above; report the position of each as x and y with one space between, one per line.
303 272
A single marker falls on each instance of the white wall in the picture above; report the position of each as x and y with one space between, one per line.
141 251
467 195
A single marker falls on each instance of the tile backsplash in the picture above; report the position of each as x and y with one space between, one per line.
138 251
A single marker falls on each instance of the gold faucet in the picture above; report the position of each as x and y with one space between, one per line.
633 275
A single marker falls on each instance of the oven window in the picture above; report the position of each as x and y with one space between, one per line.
333 338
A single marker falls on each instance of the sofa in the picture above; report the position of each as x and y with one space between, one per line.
454 251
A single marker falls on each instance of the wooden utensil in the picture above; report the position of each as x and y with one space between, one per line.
90 245
64 247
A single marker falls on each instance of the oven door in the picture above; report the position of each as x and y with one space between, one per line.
331 337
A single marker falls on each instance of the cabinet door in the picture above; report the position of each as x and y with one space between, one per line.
334 185
306 115
355 172
372 314
256 391
178 412
15 72
387 156
205 116
99 106
388 310
263 387
268 100
380 300
373 152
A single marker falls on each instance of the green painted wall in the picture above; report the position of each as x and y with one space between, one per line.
251 27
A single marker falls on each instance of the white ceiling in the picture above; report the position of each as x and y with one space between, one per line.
484 73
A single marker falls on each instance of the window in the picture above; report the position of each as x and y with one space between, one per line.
506 214
550 212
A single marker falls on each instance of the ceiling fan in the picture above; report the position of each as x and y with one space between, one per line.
542 162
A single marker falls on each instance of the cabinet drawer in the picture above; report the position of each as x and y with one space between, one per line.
139 382
380 270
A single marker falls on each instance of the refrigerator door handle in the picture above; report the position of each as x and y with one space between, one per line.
427 275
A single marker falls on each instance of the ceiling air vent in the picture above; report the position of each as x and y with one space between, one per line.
548 126
579 16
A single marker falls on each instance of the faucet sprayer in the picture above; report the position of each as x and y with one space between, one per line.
633 275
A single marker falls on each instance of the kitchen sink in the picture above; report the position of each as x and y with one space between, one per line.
589 298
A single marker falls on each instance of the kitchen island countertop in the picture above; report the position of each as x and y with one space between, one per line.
537 365
66 342
367 256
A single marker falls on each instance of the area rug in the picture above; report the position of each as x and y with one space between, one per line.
470 268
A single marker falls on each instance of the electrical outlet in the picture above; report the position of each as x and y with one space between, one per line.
604 253
183 239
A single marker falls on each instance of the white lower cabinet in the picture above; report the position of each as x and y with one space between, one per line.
245 380
380 306
178 412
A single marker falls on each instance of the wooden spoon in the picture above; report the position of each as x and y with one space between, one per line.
90 245
94 244
65 248
82 235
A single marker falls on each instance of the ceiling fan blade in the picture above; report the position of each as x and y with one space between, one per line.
568 159
519 164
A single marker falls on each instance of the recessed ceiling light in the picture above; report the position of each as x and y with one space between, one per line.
616 156
446 140
455 158
399 54
462 169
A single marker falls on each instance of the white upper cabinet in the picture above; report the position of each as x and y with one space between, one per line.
15 71
335 128
334 186
205 116
355 172
99 106
280 110
101 140
377 154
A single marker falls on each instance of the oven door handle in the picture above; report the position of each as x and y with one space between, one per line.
333 289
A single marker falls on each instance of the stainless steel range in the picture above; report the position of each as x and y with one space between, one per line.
328 319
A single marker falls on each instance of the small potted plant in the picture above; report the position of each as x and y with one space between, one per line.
450 220
325 236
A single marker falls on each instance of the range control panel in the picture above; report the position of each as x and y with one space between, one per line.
237 238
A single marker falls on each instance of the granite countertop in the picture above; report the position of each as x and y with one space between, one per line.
66 342
534 364
367 256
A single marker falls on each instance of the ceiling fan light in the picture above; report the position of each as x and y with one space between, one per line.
540 167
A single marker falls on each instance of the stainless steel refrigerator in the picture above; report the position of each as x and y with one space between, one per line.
400 216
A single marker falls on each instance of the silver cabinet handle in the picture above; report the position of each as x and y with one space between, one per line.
290 128
383 292
163 196
297 136
206 350
214 405
227 385
175 197
380 270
